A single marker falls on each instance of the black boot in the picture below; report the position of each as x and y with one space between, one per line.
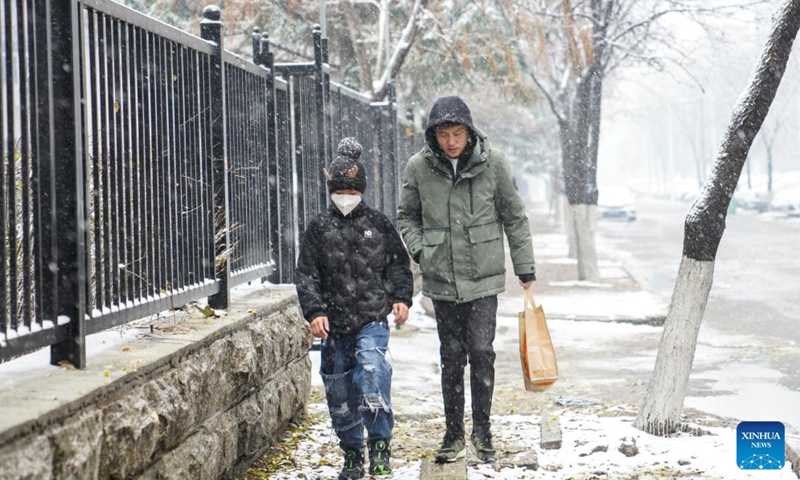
379 453
353 464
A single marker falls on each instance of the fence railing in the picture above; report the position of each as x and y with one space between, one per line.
144 167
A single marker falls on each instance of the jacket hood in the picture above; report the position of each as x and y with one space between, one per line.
450 109
479 151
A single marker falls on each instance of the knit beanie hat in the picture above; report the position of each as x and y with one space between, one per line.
346 171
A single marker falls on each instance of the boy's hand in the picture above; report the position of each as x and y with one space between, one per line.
319 327
400 312
525 284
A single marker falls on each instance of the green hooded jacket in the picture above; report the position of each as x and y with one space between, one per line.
453 227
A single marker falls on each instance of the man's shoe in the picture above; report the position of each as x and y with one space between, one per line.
379 454
451 450
482 446
353 464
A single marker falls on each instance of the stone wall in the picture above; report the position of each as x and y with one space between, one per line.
202 411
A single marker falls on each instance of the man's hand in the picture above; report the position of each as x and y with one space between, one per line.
400 312
319 327
526 285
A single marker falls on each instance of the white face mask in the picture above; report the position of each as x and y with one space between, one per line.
345 203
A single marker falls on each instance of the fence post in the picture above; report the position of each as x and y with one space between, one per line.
211 31
326 88
319 110
268 60
66 161
391 170
256 38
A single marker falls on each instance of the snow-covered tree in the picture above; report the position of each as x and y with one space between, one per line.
704 226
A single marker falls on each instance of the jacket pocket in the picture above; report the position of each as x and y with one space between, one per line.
486 250
435 262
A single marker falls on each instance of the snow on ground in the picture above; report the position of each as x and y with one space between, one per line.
589 450
38 362
417 401
589 304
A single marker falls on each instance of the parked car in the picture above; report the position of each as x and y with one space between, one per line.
787 200
616 202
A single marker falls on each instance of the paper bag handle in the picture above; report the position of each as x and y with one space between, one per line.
529 300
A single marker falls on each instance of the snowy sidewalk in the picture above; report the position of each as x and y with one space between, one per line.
606 334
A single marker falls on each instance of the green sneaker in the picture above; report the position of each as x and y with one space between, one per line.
379 454
451 450
482 446
353 464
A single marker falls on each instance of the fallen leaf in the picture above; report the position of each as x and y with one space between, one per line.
67 365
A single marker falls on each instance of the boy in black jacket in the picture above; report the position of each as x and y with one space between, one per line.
352 271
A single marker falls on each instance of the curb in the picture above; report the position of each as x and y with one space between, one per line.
653 320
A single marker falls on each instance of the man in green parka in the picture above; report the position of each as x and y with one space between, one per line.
458 197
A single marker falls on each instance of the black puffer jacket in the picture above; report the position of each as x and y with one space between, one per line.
352 269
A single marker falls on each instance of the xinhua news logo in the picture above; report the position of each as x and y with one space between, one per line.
760 445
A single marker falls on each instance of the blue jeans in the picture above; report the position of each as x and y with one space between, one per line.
358 384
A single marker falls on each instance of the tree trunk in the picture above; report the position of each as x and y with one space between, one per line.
768 150
580 177
667 388
584 217
569 226
705 224
769 173
354 27
749 180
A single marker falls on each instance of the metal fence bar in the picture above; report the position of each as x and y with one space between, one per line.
273 210
66 148
134 267
23 40
211 30
288 216
42 245
321 157
7 320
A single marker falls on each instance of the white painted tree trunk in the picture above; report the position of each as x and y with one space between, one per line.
569 226
663 402
584 219
561 207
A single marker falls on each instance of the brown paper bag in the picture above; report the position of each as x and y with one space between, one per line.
539 367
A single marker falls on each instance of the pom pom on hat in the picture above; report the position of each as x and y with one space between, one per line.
346 171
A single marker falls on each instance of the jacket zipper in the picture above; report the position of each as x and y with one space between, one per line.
471 212
353 266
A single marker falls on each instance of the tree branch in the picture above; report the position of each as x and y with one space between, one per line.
381 88
353 28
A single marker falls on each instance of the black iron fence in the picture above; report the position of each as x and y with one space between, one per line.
144 167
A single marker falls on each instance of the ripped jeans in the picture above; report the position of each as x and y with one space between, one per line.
358 383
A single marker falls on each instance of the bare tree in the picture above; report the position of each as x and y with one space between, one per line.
568 49
704 226
357 31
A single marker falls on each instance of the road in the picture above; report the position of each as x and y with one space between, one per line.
753 314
